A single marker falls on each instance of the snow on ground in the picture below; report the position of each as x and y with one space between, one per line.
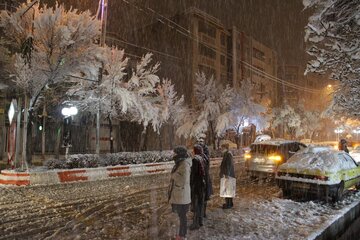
136 208
260 213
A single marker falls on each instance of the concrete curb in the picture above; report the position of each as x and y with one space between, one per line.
15 178
338 225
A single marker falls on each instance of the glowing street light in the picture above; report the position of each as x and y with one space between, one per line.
357 131
338 131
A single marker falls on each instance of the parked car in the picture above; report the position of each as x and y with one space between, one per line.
320 171
355 154
262 137
265 157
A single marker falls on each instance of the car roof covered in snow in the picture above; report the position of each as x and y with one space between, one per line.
275 142
324 159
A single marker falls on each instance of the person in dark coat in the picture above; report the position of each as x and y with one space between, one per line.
343 146
227 170
208 182
179 194
197 184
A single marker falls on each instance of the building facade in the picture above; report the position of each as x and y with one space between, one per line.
254 61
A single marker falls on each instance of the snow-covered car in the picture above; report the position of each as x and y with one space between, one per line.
261 138
265 157
355 154
323 171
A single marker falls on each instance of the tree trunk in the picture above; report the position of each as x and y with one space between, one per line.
111 139
43 132
58 139
18 133
213 138
120 142
160 142
143 139
30 141
25 128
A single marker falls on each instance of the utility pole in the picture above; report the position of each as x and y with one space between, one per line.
103 12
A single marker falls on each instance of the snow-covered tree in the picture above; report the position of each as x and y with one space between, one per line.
332 34
243 108
210 112
140 97
288 119
51 44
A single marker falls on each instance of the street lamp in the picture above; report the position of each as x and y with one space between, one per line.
67 113
357 131
338 131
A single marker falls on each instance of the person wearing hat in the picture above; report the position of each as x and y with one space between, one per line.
179 189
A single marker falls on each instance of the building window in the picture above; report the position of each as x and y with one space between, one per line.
207 29
222 60
259 54
207 70
223 39
259 73
206 51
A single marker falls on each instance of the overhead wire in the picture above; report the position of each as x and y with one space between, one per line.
188 34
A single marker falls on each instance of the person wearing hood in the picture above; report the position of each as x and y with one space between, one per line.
343 146
198 187
179 188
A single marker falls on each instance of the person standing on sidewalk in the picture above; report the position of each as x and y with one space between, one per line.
208 182
179 188
197 184
227 170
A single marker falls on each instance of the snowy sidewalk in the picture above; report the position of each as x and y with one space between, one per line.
260 213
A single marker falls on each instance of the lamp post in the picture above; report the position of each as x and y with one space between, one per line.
67 113
357 131
338 131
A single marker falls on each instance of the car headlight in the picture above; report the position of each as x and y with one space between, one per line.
247 156
275 158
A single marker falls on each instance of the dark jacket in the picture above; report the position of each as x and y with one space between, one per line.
343 146
197 177
208 183
227 165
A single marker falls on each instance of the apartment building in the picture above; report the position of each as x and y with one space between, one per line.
200 42
255 61
290 74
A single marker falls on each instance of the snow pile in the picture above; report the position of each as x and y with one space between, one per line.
123 158
323 159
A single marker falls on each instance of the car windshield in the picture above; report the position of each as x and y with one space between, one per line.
264 149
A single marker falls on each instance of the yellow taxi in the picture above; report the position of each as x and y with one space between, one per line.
322 171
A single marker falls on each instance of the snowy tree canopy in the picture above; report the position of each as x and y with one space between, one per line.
211 109
289 119
244 108
140 97
333 36
52 43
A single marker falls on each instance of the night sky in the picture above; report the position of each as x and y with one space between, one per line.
278 24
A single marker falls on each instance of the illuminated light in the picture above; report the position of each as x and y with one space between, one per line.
69 111
329 86
247 156
276 158
336 147
73 111
40 128
65 111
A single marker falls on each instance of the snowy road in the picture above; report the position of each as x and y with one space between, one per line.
136 208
